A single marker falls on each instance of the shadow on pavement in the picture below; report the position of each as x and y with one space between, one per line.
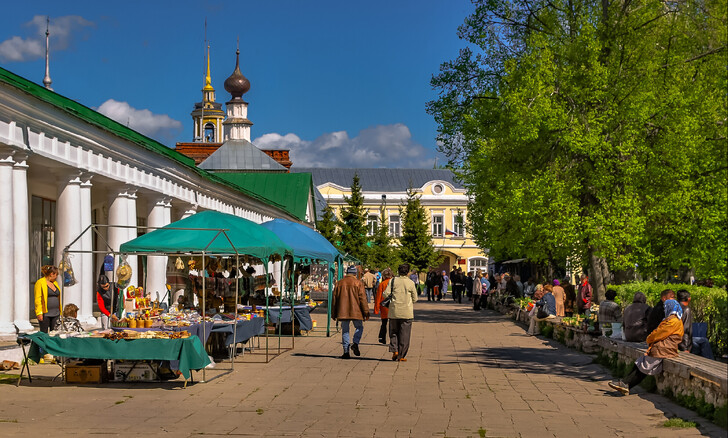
337 357
444 312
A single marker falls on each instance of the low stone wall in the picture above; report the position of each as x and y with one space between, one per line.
687 377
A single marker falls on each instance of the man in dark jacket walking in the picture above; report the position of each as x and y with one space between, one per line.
349 304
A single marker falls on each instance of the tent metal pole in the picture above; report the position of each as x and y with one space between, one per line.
280 306
235 323
203 312
330 275
293 303
267 318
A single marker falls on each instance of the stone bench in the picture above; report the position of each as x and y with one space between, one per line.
686 375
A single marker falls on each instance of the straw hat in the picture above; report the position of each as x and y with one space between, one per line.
123 273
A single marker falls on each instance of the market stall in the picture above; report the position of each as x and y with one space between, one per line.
309 247
188 352
212 233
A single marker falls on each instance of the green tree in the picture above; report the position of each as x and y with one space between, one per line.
383 253
593 132
416 247
328 224
352 225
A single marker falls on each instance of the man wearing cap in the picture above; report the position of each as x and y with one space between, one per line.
349 304
107 298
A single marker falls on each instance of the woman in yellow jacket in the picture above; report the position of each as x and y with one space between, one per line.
663 343
47 298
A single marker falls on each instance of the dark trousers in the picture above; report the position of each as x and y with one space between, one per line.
399 336
383 331
48 323
634 377
457 292
476 302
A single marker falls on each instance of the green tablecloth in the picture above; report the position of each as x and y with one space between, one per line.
189 352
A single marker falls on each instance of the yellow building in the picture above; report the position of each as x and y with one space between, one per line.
443 197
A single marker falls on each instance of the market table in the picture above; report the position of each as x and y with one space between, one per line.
302 312
189 351
246 329
193 329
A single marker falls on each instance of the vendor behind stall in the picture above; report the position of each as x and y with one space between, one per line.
107 298
69 322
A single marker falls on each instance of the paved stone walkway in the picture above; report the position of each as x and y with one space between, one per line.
469 374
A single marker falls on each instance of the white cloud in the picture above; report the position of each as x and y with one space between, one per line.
143 121
378 146
62 30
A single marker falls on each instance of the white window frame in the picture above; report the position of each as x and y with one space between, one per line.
398 231
461 231
472 267
441 224
372 229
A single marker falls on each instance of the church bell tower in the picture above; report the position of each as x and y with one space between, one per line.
208 114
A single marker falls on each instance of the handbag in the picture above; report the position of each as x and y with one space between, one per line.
542 313
385 302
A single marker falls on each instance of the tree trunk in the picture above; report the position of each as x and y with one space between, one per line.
599 275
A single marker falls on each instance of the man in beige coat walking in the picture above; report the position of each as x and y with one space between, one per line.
401 312
349 304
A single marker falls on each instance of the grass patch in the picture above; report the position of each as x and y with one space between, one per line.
119 402
679 422
481 432
467 396
546 329
8 378
2 420
259 411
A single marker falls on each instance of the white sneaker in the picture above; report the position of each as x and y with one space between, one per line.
619 386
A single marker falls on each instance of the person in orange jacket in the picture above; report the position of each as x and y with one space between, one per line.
387 275
663 343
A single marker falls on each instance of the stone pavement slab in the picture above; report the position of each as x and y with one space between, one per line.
468 374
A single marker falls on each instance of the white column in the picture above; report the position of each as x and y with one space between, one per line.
189 211
131 211
21 237
159 214
118 204
68 228
6 242
87 276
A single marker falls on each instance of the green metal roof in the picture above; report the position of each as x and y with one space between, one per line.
258 191
290 190
90 116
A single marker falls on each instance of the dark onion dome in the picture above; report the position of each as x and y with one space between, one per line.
237 84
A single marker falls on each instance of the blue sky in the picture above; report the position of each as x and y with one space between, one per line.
340 83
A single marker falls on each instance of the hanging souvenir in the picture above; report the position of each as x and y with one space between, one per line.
69 279
123 272
179 264
108 263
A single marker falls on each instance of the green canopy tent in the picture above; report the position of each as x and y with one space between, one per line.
308 246
213 233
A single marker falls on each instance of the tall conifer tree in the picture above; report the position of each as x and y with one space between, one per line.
353 230
328 224
417 248
382 253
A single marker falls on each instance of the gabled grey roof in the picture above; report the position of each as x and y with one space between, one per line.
320 202
240 155
380 180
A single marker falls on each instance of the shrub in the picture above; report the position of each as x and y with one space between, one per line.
709 304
